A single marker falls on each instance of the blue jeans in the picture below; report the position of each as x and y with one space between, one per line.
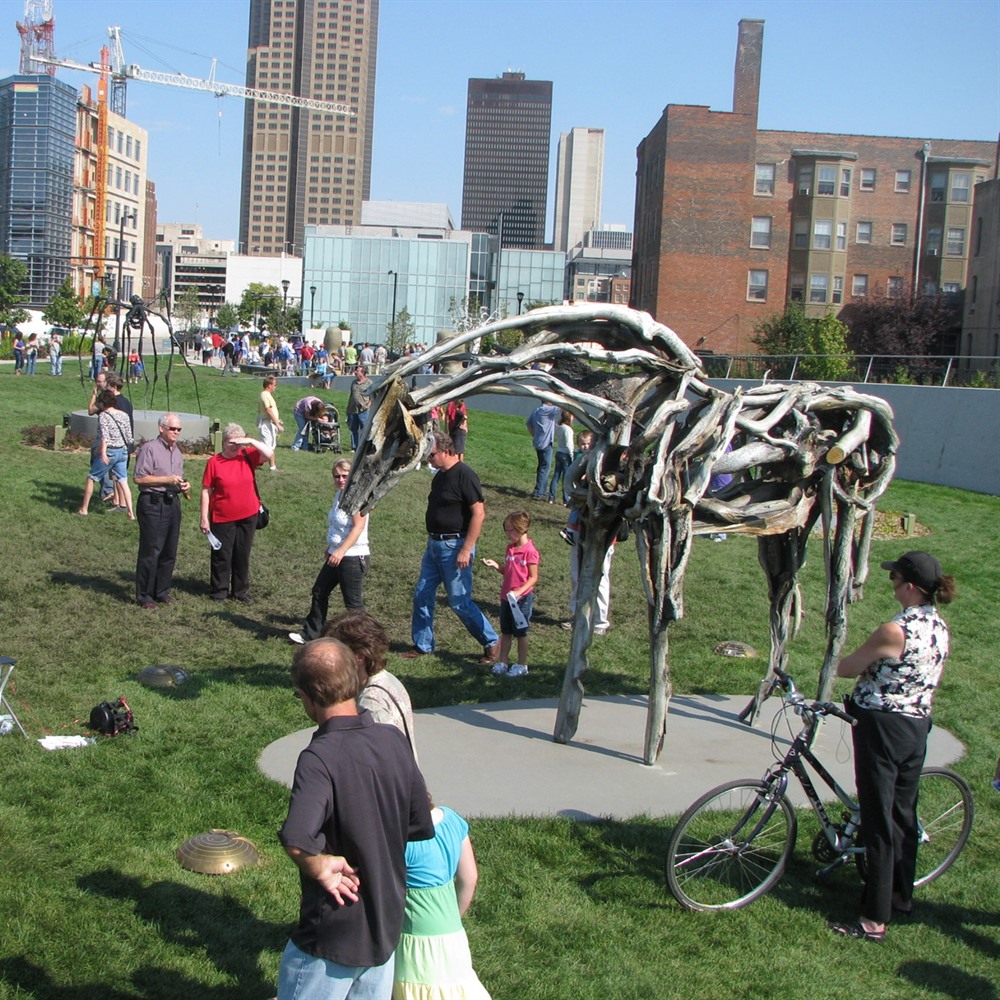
30 362
563 461
302 438
304 977
542 477
439 567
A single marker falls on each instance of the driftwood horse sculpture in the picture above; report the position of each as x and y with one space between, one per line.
799 453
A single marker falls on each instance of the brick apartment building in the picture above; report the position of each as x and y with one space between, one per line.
732 222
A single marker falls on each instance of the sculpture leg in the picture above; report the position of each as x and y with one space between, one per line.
571 697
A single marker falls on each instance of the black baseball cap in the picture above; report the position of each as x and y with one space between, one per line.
918 568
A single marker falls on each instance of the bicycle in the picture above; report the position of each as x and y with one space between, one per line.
732 845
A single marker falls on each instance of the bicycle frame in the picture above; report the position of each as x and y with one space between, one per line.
840 837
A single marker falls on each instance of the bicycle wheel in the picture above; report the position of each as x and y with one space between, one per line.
730 847
944 819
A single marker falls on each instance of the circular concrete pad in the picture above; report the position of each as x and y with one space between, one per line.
499 759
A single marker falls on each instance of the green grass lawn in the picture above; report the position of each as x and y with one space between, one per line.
94 904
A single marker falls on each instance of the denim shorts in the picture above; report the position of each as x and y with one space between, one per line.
507 626
118 463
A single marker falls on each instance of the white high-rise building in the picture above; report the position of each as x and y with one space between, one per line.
579 184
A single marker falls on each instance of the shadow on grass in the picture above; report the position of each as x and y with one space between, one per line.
229 934
633 848
96 584
948 981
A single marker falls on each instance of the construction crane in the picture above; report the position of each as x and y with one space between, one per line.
121 72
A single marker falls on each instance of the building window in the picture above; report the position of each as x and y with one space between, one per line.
956 242
859 285
933 241
822 234
764 179
757 286
841 235
818 285
800 234
864 233
949 288
898 237
838 289
938 181
960 187
895 287
826 180
805 179
760 232
797 286
903 181
845 182
867 182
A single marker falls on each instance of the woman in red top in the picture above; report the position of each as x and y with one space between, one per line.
229 506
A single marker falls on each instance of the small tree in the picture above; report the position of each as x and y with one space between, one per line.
13 275
226 316
258 300
400 332
189 308
820 344
65 309
903 326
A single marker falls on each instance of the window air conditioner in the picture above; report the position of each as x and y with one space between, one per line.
933 252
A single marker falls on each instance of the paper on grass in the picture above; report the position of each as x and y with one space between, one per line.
66 742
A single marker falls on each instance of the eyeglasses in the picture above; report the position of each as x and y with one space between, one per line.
433 453
174 428
341 475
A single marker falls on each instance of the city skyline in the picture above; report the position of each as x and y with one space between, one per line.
664 53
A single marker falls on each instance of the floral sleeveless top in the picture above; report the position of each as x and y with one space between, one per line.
907 685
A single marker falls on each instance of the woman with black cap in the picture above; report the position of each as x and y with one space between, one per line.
898 669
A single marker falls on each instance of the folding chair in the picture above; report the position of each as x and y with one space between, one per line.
6 669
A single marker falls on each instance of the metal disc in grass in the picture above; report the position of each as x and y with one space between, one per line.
740 649
163 675
217 852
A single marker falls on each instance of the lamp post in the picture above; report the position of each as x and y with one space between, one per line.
128 215
284 294
312 306
395 283
520 299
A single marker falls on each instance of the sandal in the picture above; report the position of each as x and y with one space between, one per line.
857 931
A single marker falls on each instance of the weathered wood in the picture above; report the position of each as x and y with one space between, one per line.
799 452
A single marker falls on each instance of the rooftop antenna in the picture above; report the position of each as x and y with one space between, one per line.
37 33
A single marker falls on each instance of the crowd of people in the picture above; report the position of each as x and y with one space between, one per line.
401 923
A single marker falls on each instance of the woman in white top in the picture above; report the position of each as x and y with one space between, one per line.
898 669
381 693
345 560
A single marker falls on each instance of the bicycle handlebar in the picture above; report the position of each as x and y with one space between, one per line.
784 680
828 708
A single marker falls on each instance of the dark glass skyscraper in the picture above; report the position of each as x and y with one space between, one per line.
507 135
37 133
307 167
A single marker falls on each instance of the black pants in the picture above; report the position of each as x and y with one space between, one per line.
159 530
889 752
230 573
349 575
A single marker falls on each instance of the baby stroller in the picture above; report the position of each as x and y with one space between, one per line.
324 434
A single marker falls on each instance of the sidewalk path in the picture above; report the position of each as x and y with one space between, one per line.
499 759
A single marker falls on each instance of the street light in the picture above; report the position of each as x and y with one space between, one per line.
284 294
520 299
312 306
128 215
395 283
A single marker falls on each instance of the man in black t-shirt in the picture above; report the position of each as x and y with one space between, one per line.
455 515
356 800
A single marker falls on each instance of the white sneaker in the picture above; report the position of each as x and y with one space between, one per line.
498 669
566 625
517 670
296 638
602 629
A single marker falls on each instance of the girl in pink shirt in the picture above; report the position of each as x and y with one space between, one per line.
520 575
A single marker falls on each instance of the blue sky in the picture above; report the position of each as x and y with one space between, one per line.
889 67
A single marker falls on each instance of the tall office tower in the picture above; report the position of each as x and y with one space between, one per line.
507 133
37 135
306 167
579 182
